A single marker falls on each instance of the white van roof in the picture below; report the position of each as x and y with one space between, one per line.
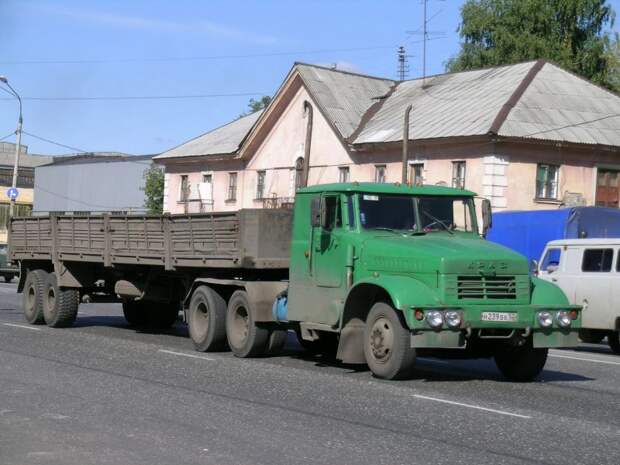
612 241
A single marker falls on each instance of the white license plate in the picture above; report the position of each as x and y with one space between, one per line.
499 316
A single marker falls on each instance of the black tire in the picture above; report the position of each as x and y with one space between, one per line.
277 340
32 296
520 363
60 305
207 320
8 278
135 313
591 336
245 337
387 343
164 315
613 338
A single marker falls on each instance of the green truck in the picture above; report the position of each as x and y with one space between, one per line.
378 273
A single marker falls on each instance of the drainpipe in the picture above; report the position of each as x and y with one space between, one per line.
306 170
406 142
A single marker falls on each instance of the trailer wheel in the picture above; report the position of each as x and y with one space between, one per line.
245 337
613 338
164 315
520 363
387 343
591 336
277 340
134 312
60 306
34 288
207 320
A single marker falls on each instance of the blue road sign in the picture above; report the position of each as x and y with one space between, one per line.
12 193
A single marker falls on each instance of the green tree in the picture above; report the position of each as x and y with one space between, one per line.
154 190
572 33
256 105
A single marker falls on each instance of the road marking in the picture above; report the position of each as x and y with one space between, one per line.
22 326
476 407
171 352
608 362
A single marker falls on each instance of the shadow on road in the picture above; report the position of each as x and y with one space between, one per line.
119 322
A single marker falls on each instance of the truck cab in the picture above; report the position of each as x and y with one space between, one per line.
395 268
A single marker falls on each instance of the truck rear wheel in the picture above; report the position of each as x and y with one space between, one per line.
207 320
245 337
60 306
387 343
613 338
34 288
520 363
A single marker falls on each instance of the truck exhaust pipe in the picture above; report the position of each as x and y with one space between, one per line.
307 144
406 142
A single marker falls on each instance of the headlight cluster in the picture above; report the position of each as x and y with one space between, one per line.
437 318
563 318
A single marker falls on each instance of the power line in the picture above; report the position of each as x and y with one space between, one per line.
571 125
55 143
194 58
140 97
8 135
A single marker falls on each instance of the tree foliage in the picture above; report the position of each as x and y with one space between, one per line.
154 190
572 33
256 105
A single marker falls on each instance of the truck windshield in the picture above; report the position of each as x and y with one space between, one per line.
398 213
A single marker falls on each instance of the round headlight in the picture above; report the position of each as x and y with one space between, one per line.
545 319
453 319
563 318
434 319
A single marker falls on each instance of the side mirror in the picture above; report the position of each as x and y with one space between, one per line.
315 212
534 267
487 216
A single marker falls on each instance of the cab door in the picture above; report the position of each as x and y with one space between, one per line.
328 254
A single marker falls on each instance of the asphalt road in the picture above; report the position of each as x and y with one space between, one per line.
102 393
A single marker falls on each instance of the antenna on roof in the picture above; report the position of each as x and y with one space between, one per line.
426 34
403 65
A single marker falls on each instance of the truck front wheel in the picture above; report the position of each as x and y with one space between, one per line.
207 320
245 337
34 289
520 363
60 306
387 343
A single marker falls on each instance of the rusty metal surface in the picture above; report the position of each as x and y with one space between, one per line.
244 239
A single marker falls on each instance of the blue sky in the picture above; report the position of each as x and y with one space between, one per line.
133 48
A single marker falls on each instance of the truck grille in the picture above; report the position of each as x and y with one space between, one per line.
485 287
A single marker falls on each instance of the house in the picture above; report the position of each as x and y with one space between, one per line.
25 182
93 182
527 136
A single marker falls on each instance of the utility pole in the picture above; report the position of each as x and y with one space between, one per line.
12 198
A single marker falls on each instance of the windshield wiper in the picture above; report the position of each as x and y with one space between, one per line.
436 220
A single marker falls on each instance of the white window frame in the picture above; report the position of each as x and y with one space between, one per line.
555 183
378 170
458 181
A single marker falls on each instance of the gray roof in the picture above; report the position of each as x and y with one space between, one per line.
26 160
97 157
223 140
344 97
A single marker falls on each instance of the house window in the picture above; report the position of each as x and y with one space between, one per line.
299 173
547 181
458 174
343 174
379 173
416 174
184 188
232 186
260 185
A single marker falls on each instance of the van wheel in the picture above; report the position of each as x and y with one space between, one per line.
520 363
60 306
245 337
613 337
591 336
387 343
34 288
207 320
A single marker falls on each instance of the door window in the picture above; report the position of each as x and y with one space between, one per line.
597 260
551 260
333 217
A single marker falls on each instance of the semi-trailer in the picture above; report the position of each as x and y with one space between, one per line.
378 272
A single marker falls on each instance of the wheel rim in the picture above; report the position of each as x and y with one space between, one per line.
31 298
201 319
381 340
240 326
51 299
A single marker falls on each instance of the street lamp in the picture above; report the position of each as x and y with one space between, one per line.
5 81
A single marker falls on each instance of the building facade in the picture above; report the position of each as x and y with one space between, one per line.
527 136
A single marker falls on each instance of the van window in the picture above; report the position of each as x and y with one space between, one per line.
597 260
551 260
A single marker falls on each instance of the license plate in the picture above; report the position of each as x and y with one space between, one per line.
499 316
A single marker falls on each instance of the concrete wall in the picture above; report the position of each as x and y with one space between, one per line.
100 186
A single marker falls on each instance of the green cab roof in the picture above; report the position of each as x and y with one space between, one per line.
386 188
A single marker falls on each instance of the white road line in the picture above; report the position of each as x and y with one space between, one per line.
22 326
171 352
584 359
476 407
